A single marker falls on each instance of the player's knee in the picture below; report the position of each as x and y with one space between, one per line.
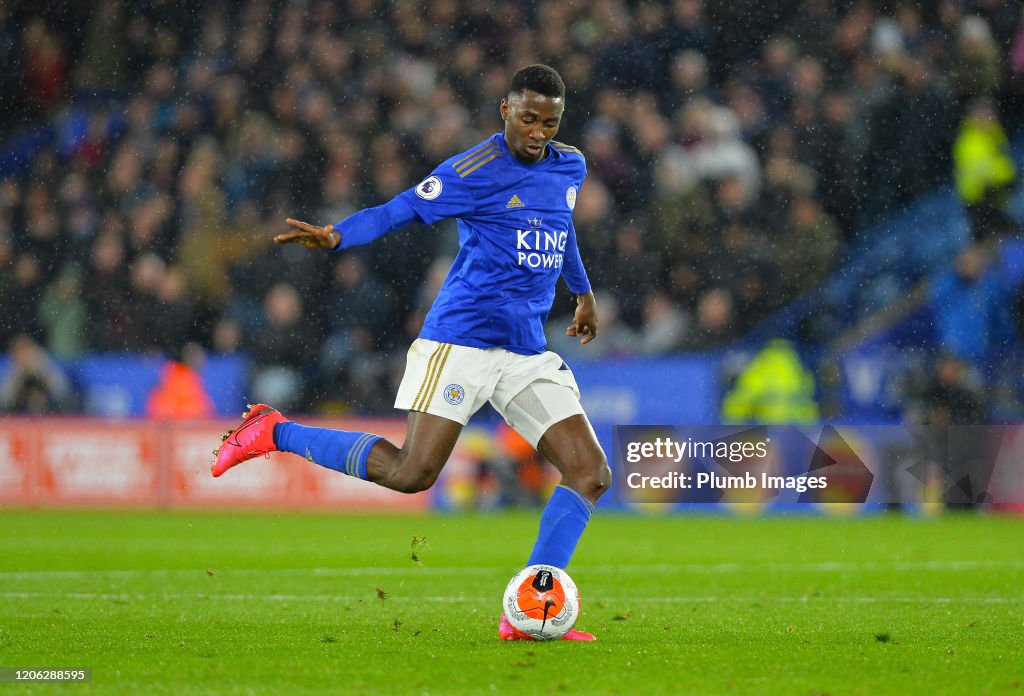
600 481
413 475
420 480
595 480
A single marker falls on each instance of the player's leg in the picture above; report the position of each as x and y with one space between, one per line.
549 416
572 447
413 467
539 398
441 389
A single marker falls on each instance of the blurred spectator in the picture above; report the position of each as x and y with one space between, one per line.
811 26
23 286
971 307
734 203
106 290
104 62
718 152
688 80
976 70
774 387
64 316
786 177
11 93
743 264
747 104
173 322
208 248
923 110
951 396
843 150
688 28
664 325
627 52
612 163
281 349
227 336
634 271
778 55
1016 71
146 276
45 66
34 383
357 314
180 395
681 212
595 223
715 323
985 173
807 247
530 472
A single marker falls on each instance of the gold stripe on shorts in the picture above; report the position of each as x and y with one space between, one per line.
437 377
426 379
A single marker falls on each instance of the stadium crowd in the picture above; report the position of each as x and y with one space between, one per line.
735 151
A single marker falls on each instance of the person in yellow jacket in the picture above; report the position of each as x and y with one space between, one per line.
774 387
984 171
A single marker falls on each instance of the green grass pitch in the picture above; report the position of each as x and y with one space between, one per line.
290 603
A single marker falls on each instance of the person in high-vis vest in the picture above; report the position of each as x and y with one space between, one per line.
774 387
984 171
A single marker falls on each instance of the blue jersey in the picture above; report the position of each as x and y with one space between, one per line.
515 239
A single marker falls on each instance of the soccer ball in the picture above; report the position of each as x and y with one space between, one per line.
542 602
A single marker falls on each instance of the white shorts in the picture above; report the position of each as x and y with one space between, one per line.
531 392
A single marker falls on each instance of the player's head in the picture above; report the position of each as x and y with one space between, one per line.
532 111
537 78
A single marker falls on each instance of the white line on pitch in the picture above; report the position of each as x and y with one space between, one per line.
696 568
129 597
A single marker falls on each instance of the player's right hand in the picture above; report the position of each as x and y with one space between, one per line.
310 236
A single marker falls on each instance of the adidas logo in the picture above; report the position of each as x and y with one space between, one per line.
514 202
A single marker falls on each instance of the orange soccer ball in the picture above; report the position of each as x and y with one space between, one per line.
542 601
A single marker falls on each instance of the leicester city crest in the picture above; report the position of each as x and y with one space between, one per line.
570 197
454 394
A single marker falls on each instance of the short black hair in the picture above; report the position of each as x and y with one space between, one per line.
538 78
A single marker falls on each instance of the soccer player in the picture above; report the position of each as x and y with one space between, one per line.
483 338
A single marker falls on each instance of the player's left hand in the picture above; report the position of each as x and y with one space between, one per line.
585 320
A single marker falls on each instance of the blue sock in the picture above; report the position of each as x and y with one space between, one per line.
340 450
564 519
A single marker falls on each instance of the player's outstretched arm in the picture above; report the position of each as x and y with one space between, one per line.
584 323
310 236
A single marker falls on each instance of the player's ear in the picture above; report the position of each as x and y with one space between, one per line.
504 108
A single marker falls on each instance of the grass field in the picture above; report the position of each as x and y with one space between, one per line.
197 603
